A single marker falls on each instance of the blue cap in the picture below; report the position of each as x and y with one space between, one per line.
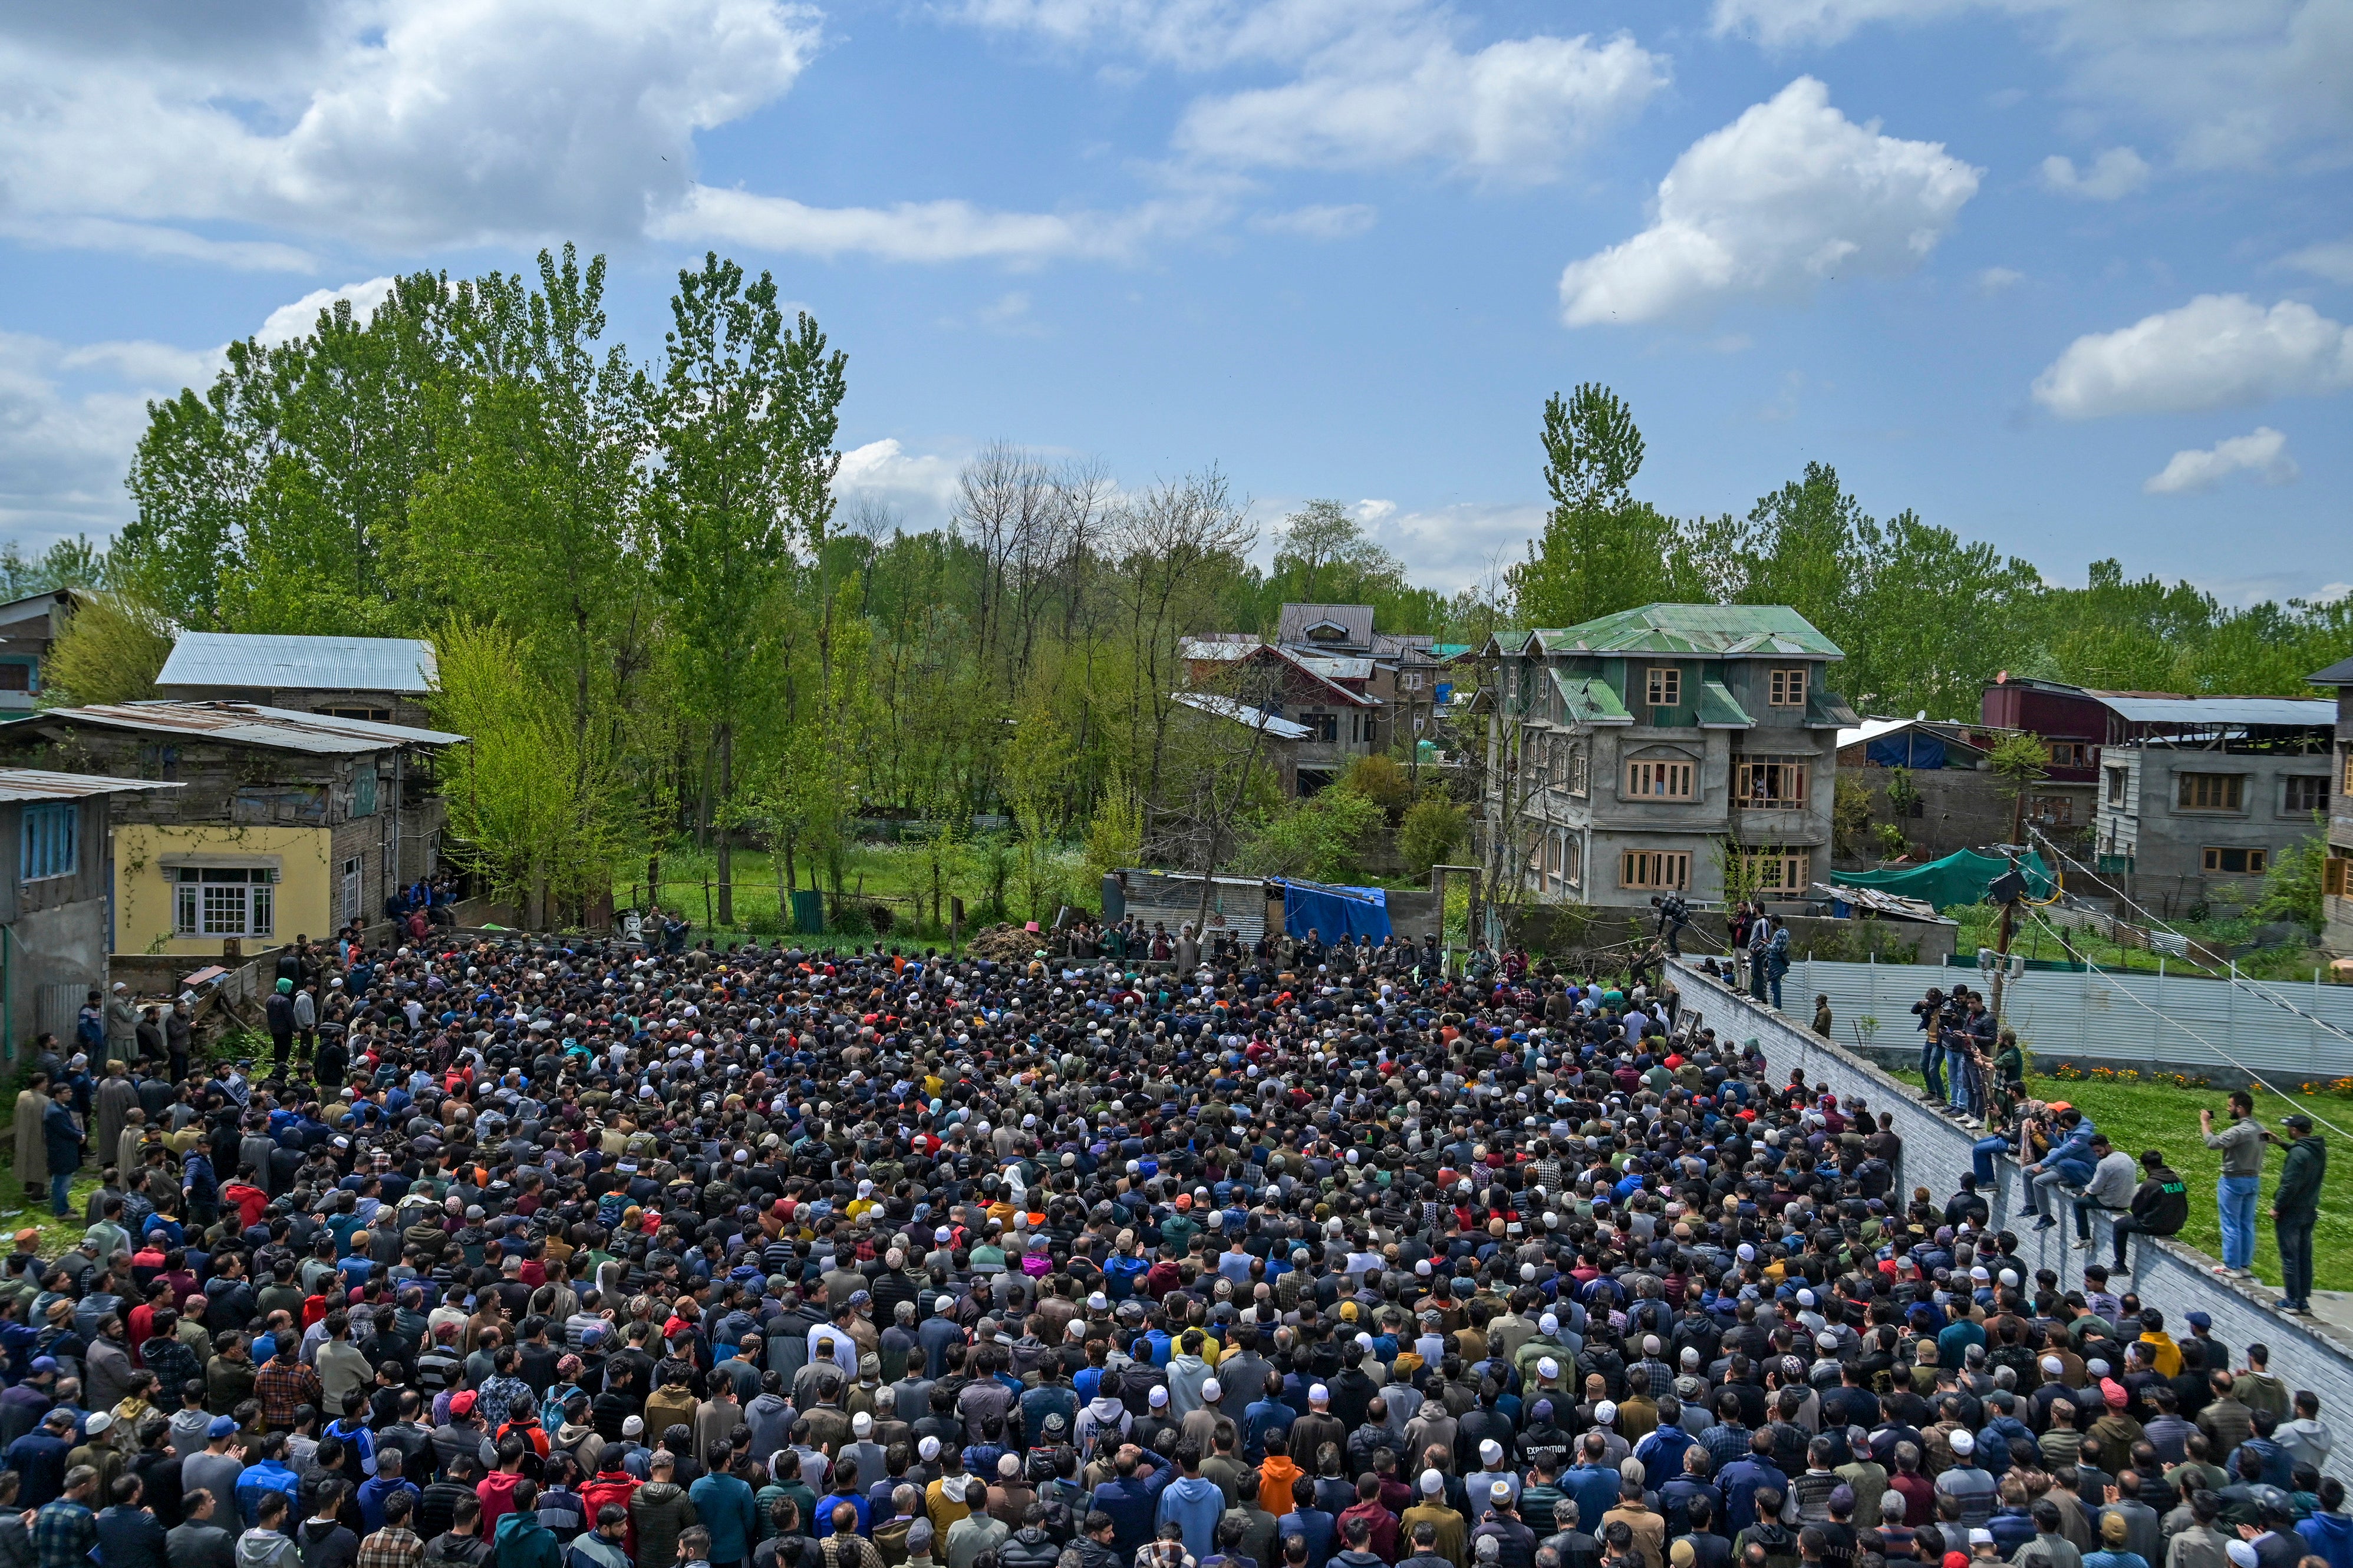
2196 1320
222 1426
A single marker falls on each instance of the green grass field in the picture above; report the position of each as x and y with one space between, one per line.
2138 1116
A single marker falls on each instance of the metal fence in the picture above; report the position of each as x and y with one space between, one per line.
2166 1023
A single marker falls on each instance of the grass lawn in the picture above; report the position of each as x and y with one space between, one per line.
2293 963
2138 1116
57 1236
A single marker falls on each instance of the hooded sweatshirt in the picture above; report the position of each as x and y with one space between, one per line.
497 1492
1104 1411
260 1548
2330 1536
326 1544
523 1542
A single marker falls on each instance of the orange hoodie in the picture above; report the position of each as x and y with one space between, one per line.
1274 1478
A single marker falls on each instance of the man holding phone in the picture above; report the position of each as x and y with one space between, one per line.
2242 1145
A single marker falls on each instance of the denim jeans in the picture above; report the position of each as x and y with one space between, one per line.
1981 1153
1776 983
1932 1067
2234 1203
58 1182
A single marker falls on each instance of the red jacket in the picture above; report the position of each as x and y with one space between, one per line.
617 1487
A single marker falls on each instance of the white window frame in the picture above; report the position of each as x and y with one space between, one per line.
206 904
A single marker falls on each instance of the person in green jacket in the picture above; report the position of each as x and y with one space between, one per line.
522 1541
2295 1206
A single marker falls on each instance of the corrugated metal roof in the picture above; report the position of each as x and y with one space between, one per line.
17 784
251 725
1242 713
1223 649
2291 711
1336 666
346 663
2338 674
1354 622
1720 629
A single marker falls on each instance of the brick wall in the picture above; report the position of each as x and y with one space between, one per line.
2170 1277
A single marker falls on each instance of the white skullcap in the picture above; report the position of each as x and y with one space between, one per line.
1213 1391
1605 1413
2052 1366
1489 1451
928 1449
1318 1394
1157 1398
1963 1444
1432 1483
1549 1324
1547 1367
1501 1492
861 1424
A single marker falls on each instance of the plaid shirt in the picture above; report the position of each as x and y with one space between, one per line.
64 1535
1724 1442
392 1547
284 1386
502 1399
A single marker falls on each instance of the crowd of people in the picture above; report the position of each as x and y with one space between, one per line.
582 1254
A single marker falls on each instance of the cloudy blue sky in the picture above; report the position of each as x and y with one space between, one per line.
2072 276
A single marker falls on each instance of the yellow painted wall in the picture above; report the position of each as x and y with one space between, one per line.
142 898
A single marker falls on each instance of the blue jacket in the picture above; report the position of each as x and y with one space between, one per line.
1194 1504
2077 1150
268 1476
724 1505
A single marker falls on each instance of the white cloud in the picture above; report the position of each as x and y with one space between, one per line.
156 241
2262 452
1451 547
2114 174
63 450
1319 222
397 122
1994 279
2217 351
2233 82
1378 82
2332 259
1373 511
924 231
1791 194
290 322
1512 110
919 488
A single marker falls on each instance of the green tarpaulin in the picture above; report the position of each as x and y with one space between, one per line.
1960 878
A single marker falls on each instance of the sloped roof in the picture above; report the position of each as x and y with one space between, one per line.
29 784
1720 630
249 724
2338 674
2286 710
1827 711
1588 700
1356 622
1241 713
404 665
1719 710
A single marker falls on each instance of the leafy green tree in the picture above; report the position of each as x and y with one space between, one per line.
743 423
1432 832
1321 838
1602 551
73 563
2291 887
111 650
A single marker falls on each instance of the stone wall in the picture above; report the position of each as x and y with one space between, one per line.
2170 1277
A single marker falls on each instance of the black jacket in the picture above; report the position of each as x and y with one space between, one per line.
2160 1205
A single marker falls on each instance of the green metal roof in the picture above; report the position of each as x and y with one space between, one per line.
1588 700
1829 710
1718 709
1720 630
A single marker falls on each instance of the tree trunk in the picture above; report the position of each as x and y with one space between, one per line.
726 839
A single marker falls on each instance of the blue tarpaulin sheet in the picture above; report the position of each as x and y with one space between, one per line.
1909 749
1334 911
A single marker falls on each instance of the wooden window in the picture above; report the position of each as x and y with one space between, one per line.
1788 688
2051 810
1768 783
1658 868
15 676
2337 877
2116 785
2210 792
1573 776
1663 687
1779 870
2304 793
1659 780
223 900
1410 681
1324 727
2236 862
2070 754
51 843
2348 790
1572 859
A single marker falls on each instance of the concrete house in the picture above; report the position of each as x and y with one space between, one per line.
1324 698
1958 801
2198 794
382 679
1630 753
2337 871
27 628
285 824
55 878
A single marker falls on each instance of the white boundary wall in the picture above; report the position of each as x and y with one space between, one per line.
2168 1275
